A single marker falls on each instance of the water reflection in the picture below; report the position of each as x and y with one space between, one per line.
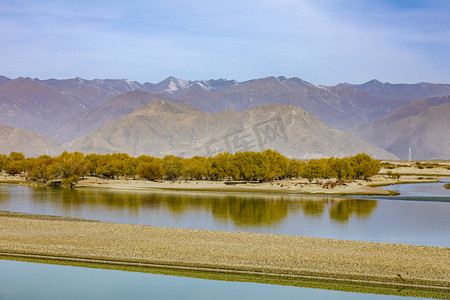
5 196
253 211
397 221
342 211
91 281
242 210
313 207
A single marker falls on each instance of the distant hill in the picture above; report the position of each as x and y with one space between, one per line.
424 126
4 79
98 116
29 143
44 106
93 92
69 109
402 91
162 128
180 86
340 107
29 104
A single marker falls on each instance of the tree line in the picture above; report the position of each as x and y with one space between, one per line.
243 166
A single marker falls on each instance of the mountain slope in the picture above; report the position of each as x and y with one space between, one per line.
424 126
93 92
162 128
68 109
173 85
42 106
29 104
29 143
95 117
340 107
4 79
402 91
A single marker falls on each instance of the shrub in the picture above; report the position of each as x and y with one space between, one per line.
150 170
12 170
70 182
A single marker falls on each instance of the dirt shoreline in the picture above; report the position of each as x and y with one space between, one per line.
298 186
224 252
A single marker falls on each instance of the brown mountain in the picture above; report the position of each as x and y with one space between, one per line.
29 143
71 108
42 106
424 126
29 104
173 85
93 92
402 90
98 116
4 79
341 107
162 128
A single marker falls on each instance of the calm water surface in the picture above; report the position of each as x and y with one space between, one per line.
424 221
379 219
22 280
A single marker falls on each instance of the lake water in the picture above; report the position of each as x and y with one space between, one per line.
379 219
420 215
23 280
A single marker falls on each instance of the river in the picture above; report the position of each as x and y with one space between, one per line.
419 215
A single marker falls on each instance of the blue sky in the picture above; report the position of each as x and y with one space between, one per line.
323 42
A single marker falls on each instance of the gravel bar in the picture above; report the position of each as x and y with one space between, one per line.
219 251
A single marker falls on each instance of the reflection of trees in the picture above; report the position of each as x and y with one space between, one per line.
241 210
5 194
250 211
341 211
313 207
75 199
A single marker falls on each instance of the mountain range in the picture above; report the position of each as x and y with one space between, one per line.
72 110
163 128
401 91
423 125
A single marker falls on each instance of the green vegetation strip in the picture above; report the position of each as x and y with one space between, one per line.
233 253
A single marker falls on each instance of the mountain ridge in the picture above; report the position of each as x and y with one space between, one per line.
69 109
287 129
26 142
422 125
403 90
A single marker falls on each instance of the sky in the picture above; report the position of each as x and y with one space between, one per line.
321 41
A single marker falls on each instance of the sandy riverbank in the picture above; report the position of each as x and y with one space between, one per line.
298 186
229 252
